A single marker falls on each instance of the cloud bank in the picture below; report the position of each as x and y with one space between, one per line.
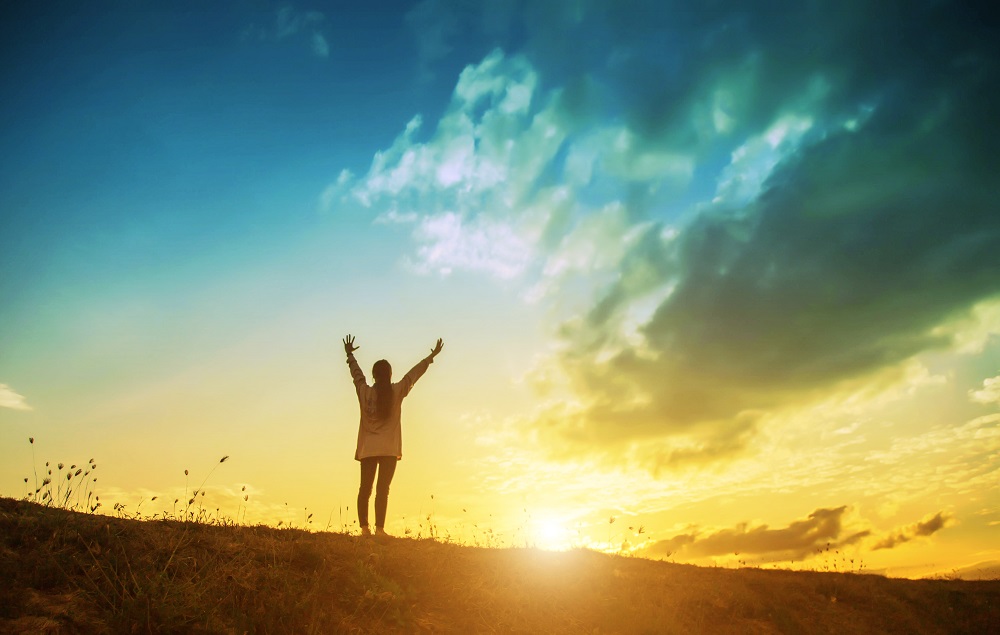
747 208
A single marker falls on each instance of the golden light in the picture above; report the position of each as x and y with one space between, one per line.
549 534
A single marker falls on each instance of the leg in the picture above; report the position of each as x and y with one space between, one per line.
368 466
386 469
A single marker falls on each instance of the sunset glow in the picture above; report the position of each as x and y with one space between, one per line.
549 534
718 287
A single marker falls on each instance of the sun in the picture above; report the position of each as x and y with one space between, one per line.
551 535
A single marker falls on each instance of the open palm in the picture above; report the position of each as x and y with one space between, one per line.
349 346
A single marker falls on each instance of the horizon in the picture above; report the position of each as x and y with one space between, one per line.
725 276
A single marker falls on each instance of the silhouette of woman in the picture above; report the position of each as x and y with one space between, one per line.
380 441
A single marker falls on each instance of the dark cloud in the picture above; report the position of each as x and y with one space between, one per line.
924 528
858 245
656 59
821 530
880 224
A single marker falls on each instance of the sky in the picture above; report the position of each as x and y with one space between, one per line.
717 283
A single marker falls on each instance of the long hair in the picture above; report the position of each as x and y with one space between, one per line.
382 372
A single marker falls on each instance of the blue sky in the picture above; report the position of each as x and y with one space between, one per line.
729 271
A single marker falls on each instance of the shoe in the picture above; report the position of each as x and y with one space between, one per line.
366 533
380 533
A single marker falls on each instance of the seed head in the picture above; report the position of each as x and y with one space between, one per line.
223 459
60 466
31 440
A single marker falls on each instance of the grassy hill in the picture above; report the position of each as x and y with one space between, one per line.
63 571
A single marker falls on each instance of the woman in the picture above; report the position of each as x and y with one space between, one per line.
380 441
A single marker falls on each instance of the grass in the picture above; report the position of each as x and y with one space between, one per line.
67 571
66 568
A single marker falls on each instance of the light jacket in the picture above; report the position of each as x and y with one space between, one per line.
381 436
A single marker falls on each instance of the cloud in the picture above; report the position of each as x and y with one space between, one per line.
289 23
989 393
821 530
926 527
487 132
433 25
468 189
871 223
319 45
10 399
450 243
501 163
736 211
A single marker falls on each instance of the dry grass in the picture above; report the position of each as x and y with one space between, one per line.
65 571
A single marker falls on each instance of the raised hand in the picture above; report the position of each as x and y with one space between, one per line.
437 348
349 346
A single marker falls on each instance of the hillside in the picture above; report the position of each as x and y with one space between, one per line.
79 573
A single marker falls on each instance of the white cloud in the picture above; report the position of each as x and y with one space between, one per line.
477 187
754 161
468 189
10 399
394 217
972 332
593 245
989 393
486 138
451 243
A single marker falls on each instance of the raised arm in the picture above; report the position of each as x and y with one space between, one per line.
417 371
437 349
357 374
